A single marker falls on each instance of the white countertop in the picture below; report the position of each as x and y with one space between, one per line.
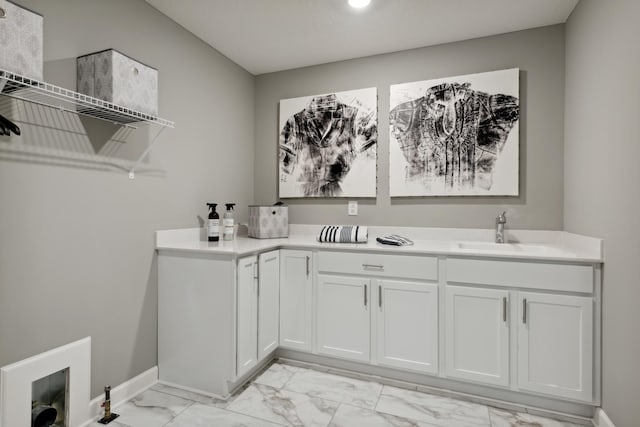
523 244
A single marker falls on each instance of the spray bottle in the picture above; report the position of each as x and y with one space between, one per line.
214 223
228 222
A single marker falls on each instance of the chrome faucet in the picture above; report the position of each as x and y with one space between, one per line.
501 220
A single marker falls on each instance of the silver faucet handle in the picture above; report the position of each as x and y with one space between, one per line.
502 218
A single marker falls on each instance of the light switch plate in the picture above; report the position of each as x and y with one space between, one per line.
353 207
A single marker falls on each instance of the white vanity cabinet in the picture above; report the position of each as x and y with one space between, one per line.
477 334
520 329
257 292
296 303
392 299
551 326
343 321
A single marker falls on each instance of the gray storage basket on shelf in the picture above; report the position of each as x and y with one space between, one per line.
21 41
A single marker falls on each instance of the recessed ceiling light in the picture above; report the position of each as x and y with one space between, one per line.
359 4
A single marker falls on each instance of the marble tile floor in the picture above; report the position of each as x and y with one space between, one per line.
285 395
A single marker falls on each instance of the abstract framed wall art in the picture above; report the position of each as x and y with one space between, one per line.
328 145
456 136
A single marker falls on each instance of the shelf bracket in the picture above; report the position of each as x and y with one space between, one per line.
132 174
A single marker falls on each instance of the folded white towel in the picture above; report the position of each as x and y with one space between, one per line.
343 234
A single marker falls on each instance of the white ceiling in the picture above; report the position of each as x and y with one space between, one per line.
264 36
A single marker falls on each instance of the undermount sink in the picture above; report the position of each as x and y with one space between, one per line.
503 247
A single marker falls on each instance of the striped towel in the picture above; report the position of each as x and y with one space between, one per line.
343 234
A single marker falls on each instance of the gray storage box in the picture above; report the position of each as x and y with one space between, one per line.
268 222
21 38
113 77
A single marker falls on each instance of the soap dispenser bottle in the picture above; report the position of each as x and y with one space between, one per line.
213 231
228 222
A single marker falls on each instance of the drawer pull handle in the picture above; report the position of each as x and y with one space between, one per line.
524 311
380 296
307 266
365 295
270 259
504 309
378 266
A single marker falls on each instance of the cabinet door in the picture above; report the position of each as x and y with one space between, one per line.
477 334
295 299
246 315
268 302
343 321
555 345
407 323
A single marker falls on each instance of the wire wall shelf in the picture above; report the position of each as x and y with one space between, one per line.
26 89
56 97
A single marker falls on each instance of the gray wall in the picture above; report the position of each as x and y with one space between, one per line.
539 54
76 239
601 178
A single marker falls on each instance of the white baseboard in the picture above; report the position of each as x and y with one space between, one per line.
601 419
123 393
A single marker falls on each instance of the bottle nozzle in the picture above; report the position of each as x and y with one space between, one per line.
230 206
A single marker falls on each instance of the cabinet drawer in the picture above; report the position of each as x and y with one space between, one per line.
404 266
534 275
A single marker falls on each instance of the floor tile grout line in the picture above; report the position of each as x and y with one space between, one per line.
327 399
385 414
339 402
334 414
375 407
287 381
490 419
255 417
298 393
418 406
193 402
151 408
178 414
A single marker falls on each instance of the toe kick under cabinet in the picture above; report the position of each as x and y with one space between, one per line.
530 327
